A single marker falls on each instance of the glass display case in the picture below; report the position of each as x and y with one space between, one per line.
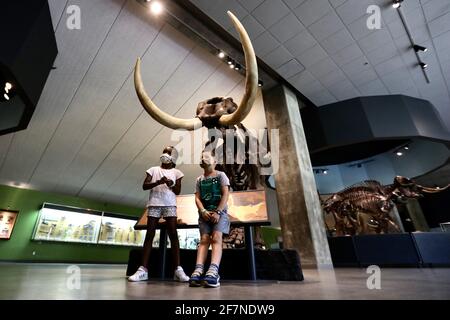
188 238
78 225
120 231
67 225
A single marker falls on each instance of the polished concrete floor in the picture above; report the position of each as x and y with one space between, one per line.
59 281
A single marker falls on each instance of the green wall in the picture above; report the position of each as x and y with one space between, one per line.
270 236
28 202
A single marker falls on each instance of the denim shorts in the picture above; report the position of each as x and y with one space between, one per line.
207 227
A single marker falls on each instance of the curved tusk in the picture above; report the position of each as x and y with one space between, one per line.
162 117
433 190
251 78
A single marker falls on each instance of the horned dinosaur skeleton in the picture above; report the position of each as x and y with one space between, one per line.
372 198
221 113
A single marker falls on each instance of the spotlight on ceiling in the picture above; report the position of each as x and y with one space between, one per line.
230 61
397 4
221 54
8 86
260 83
6 96
237 67
156 7
399 153
325 171
418 48
406 147
423 65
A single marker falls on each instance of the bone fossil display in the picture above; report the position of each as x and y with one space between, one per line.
370 197
218 112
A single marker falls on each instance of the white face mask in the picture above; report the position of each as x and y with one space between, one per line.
165 158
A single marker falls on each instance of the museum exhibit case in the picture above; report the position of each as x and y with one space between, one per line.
60 223
64 224
77 225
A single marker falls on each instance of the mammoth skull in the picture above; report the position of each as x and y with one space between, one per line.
407 188
210 111
221 112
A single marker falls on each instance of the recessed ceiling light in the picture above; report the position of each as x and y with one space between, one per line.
397 3
221 55
232 65
156 7
399 153
418 48
6 96
8 86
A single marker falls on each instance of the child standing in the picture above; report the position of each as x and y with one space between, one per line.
211 196
164 183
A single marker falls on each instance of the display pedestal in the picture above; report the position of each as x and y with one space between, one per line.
282 265
386 250
417 249
433 248
343 251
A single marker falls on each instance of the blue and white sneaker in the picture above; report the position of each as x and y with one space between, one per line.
211 280
196 279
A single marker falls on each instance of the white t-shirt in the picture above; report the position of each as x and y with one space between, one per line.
162 195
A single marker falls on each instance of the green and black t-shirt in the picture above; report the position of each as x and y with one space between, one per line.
210 191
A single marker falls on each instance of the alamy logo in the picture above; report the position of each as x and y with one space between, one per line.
374 20
74 279
374 280
74 19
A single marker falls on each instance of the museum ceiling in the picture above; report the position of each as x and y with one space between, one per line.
89 135
325 49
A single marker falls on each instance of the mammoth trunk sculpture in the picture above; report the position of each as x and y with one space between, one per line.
373 199
217 112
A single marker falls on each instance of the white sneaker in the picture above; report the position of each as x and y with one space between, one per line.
140 275
180 275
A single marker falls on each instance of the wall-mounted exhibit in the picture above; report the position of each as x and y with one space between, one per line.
7 221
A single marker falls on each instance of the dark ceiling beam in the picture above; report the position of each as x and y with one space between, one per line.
26 58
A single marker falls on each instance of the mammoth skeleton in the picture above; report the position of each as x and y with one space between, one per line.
221 113
370 197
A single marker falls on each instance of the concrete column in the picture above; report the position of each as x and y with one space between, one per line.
396 217
301 218
416 215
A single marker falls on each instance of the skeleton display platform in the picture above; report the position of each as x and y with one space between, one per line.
416 249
